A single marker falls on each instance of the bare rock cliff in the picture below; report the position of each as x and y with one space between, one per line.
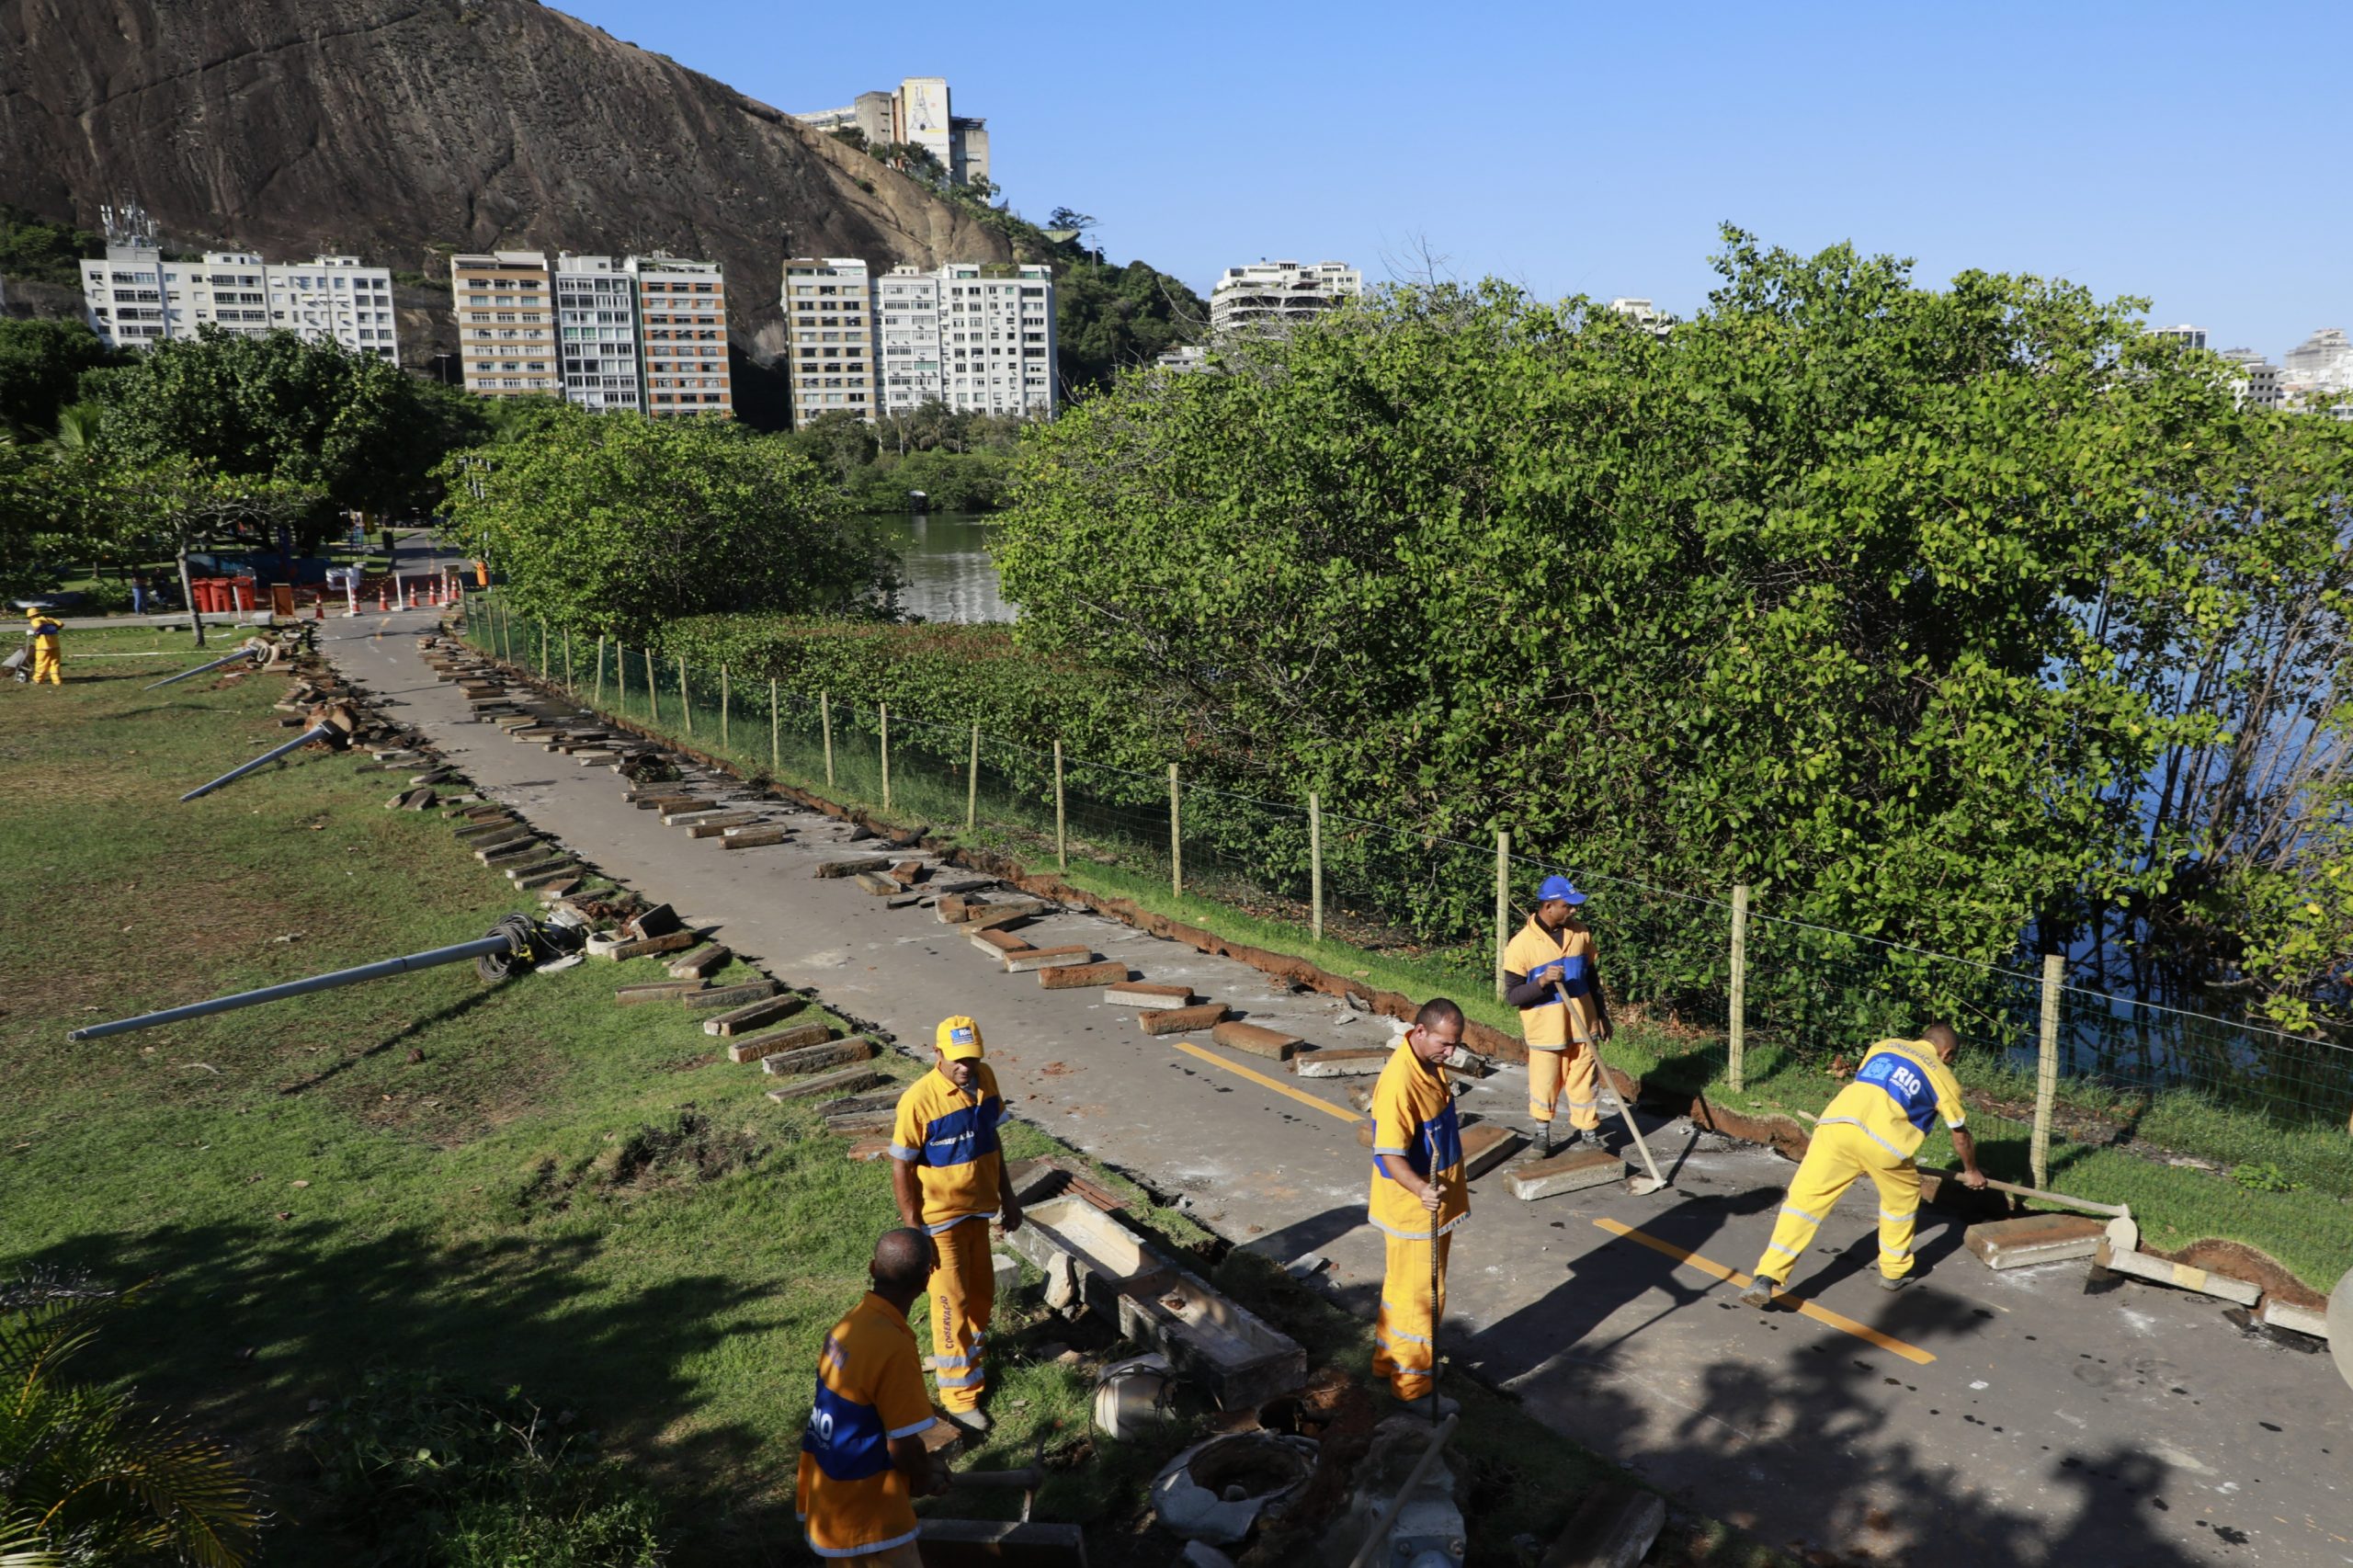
402 129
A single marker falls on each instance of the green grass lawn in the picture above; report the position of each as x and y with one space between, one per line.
522 1186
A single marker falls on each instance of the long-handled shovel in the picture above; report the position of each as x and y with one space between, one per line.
1639 1185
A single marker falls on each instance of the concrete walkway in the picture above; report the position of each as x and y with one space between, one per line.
1976 1419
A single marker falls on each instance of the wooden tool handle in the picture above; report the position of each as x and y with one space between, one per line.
1026 1480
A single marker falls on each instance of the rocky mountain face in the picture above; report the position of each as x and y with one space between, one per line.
404 130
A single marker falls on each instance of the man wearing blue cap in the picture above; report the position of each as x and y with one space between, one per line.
1549 974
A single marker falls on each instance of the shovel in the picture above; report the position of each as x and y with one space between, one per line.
1640 1186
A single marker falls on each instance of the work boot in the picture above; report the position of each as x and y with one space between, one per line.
1895 1283
973 1420
1759 1293
1421 1406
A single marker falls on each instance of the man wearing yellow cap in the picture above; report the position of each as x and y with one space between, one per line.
948 1177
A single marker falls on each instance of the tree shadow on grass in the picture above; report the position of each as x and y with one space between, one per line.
247 1325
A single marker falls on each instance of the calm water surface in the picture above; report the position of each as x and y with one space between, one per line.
945 558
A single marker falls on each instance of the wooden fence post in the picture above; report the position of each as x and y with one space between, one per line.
1737 1024
1315 864
1175 837
722 708
973 784
883 708
1503 905
776 756
652 686
1062 836
825 717
543 647
685 701
567 658
2046 1069
600 669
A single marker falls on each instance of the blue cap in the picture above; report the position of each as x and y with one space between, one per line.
1560 888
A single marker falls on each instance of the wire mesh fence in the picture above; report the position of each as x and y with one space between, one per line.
1749 1001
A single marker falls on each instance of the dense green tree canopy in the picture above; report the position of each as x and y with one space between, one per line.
1108 318
1867 593
617 525
360 431
41 364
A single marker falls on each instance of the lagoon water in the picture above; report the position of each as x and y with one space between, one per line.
946 560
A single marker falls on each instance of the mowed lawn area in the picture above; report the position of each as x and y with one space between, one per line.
523 1187
520 1186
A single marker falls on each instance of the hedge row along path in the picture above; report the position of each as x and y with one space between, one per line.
1980 1416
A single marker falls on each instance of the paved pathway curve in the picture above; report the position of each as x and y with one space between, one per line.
2138 1426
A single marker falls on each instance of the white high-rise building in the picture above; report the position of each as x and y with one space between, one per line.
2315 370
2188 336
1272 296
996 337
906 309
595 315
134 299
829 337
1645 314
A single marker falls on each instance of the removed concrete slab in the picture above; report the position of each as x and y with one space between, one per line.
2156 1270
1572 1172
1613 1527
1138 994
848 1080
1030 959
851 868
1257 1041
1182 1020
1342 1064
814 1058
1077 977
753 1015
1486 1145
2035 1238
758 1047
701 963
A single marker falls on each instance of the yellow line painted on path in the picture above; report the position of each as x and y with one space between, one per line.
1301 1096
1861 1330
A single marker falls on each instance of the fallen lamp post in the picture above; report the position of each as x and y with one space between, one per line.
515 943
336 726
254 649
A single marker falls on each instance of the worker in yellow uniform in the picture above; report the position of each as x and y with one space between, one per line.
862 1458
1551 976
1418 1196
948 1177
1873 1128
45 630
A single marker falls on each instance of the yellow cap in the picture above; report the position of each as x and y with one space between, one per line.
959 1038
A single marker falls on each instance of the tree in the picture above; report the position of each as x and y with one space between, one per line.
42 251
352 427
41 362
89 1479
185 504
1108 319
1857 592
1065 218
616 525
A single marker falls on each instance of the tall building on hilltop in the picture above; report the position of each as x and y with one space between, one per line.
596 309
829 337
134 299
506 328
917 114
1272 296
1645 314
682 321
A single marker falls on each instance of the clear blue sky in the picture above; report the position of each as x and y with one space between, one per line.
2194 154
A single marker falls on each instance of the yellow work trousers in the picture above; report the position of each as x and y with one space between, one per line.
47 663
1838 1155
963 1294
1574 1075
1401 1351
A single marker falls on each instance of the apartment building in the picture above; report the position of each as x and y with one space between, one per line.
829 337
996 337
1273 296
907 310
1643 314
506 328
682 324
596 309
2255 380
134 299
2186 336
